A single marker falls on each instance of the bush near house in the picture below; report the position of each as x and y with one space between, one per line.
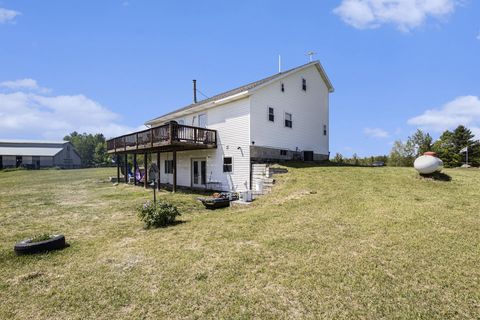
158 214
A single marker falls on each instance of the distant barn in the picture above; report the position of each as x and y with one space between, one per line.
38 154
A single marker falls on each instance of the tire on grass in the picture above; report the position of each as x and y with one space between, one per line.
56 242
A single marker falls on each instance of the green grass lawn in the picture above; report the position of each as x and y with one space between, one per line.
329 242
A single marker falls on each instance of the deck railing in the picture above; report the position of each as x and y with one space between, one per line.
168 134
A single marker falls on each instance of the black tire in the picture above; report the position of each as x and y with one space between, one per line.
56 242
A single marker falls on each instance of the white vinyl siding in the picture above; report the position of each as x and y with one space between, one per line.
308 108
232 122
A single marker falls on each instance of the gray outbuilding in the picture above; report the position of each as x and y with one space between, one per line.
38 154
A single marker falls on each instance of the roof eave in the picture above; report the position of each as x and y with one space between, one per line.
199 107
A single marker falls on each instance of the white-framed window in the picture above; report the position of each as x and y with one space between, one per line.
227 164
202 120
169 166
271 114
194 119
288 120
181 121
324 129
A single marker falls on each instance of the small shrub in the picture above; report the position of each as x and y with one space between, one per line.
157 215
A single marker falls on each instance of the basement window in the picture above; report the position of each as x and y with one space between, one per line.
288 120
304 84
271 115
169 166
227 164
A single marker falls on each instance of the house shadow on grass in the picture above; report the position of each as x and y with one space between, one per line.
437 176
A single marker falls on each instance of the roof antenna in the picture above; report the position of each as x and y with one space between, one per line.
310 54
279 63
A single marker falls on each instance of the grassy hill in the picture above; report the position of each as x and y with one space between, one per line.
329 242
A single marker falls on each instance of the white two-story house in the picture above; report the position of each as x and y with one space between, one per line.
214 142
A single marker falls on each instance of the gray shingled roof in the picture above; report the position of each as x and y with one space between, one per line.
242 89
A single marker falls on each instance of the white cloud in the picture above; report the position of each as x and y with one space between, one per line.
404 14
376 133
25 84
33 115
463 110
8 15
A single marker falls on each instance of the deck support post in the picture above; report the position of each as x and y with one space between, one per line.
126 168
145 175
158 175
118 168
135 169
174 189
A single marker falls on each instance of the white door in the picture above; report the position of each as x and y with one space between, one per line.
199 173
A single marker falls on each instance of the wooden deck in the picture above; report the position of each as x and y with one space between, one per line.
165 138
170 137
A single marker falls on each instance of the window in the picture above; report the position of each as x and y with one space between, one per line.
304 84
181 121
283 152
227 164
202 120
282 87
271 115
169 166
288 120
324 129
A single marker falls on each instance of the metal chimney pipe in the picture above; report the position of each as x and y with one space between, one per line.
194 91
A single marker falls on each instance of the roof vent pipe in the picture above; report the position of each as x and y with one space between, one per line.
194 91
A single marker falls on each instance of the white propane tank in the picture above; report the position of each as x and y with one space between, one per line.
428 163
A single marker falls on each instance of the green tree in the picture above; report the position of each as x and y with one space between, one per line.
402 154
355 160
446 149
338 158
449 145
92 148
421 142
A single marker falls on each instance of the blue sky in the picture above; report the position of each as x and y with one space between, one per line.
111 65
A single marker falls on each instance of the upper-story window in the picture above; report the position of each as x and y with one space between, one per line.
304 84
288 120
181 121
324 129
271 114
227 164
202 120
282 87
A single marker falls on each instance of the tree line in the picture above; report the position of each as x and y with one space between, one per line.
451 147
92 148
